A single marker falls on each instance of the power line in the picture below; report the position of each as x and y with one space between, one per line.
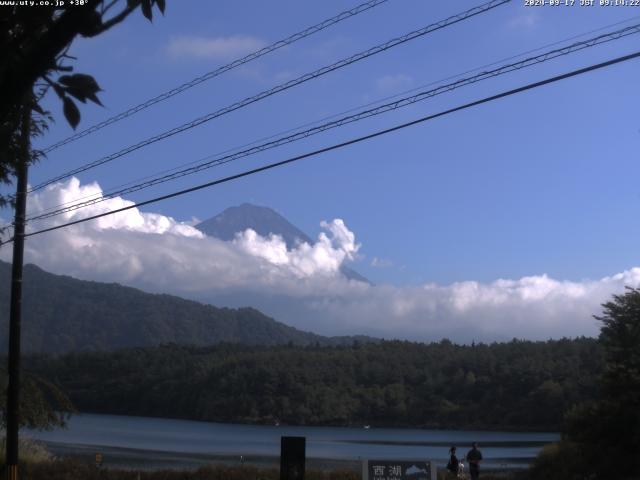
353 141
117 189
282 87
114 190
219 71
400 103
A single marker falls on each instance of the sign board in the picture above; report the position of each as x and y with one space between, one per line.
98 459
292 458
398 470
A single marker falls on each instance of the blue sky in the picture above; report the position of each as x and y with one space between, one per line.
541 183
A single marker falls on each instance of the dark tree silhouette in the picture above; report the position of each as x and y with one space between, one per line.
517 385
609 429
34 41
43 405
602 436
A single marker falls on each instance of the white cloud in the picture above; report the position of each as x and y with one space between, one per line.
224 48
394 83
330 48
284 76
525 21
156 251
322 258
381 262
303 286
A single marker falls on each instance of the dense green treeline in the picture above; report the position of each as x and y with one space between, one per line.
601 436
515 385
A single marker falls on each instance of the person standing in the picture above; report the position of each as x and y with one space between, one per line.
474 456
454 463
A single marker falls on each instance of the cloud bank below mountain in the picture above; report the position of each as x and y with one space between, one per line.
303 286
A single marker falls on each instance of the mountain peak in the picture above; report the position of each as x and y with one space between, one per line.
264 221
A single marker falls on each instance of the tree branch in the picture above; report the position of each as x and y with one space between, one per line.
105 9
113 21
42 51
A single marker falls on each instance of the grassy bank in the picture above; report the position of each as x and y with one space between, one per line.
71 469
68 469
30 451
38 462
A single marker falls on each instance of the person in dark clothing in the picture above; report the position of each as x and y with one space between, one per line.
454 463
474 456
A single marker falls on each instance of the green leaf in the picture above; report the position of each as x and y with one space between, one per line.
80 81
94 98
82 87
161 5
71 112
146 9
91 24
58 89
78 94
133 3
66 79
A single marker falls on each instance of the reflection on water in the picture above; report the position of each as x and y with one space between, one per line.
508 449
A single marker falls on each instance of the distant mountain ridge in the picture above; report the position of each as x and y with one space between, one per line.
264 221
64 314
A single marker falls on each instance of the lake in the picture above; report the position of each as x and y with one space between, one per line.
144 438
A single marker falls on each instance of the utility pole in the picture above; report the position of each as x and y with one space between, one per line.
13 391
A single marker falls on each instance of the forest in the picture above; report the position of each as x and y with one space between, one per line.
516 385
63 314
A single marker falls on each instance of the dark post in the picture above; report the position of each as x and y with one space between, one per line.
292 458
13 391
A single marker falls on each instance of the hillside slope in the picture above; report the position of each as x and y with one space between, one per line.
63 314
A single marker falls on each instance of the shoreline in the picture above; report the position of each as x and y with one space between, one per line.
147 460
141 459
382 425
149 443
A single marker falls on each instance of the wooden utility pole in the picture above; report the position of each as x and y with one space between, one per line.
13 390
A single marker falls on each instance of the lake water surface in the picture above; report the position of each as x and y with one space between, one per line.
88 431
